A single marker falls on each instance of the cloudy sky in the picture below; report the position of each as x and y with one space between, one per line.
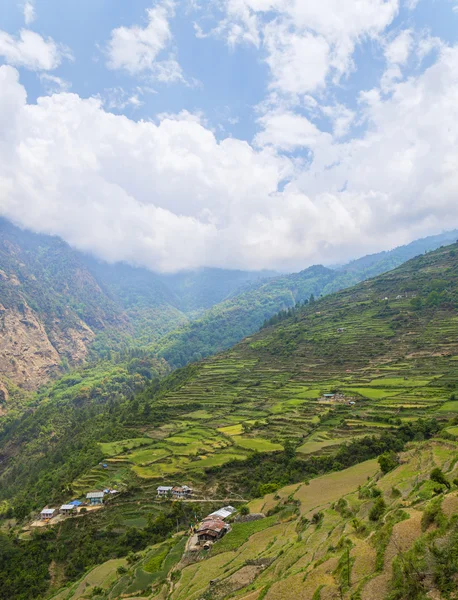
249 134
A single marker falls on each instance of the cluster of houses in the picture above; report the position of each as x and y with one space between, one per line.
336 397
214 527
67 510
178 492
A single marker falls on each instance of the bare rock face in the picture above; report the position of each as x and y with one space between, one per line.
28 356
72 343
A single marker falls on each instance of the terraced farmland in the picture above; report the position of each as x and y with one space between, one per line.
319 542
388 362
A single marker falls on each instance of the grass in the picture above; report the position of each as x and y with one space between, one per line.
312 447
115 448
373 393
257 444
449 407
240 533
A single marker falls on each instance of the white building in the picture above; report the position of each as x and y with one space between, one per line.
163 491
48 513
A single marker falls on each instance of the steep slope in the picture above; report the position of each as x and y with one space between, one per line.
359 533
230 321
249 422
375 264
51 307
244 313
59 307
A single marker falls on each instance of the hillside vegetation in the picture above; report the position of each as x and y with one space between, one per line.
243 425
245 312
60 308
358 533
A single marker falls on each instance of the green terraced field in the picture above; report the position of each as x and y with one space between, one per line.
395 363
114 448
257 444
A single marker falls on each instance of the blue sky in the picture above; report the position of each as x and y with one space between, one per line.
231 133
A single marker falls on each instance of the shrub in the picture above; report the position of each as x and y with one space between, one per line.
378 510
317 518
438 476
432 514
244 510
388 461
395 493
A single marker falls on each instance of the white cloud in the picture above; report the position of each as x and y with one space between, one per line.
169 195
397 53
120 99
289 131
305 41
29 12
399 49
32 51
137 49
53 84
299 63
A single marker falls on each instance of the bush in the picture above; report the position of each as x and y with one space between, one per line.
438 476
432 514
388 461
317 518
395 493
244 510
378 510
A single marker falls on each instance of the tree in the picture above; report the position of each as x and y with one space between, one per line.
290 450
438 476
388 461
378 510
244 510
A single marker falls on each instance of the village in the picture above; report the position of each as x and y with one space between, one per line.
202 536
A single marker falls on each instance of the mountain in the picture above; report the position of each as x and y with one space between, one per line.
59 307
238 316
375 264
290 420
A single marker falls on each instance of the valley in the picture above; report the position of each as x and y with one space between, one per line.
289 422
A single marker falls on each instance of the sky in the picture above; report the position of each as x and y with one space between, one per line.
248 134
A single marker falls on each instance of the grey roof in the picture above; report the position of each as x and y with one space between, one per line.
223 513
164 488
48 511
67 507
95 495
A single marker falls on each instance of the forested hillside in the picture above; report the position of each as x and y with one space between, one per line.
367 371
243 314
60 308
